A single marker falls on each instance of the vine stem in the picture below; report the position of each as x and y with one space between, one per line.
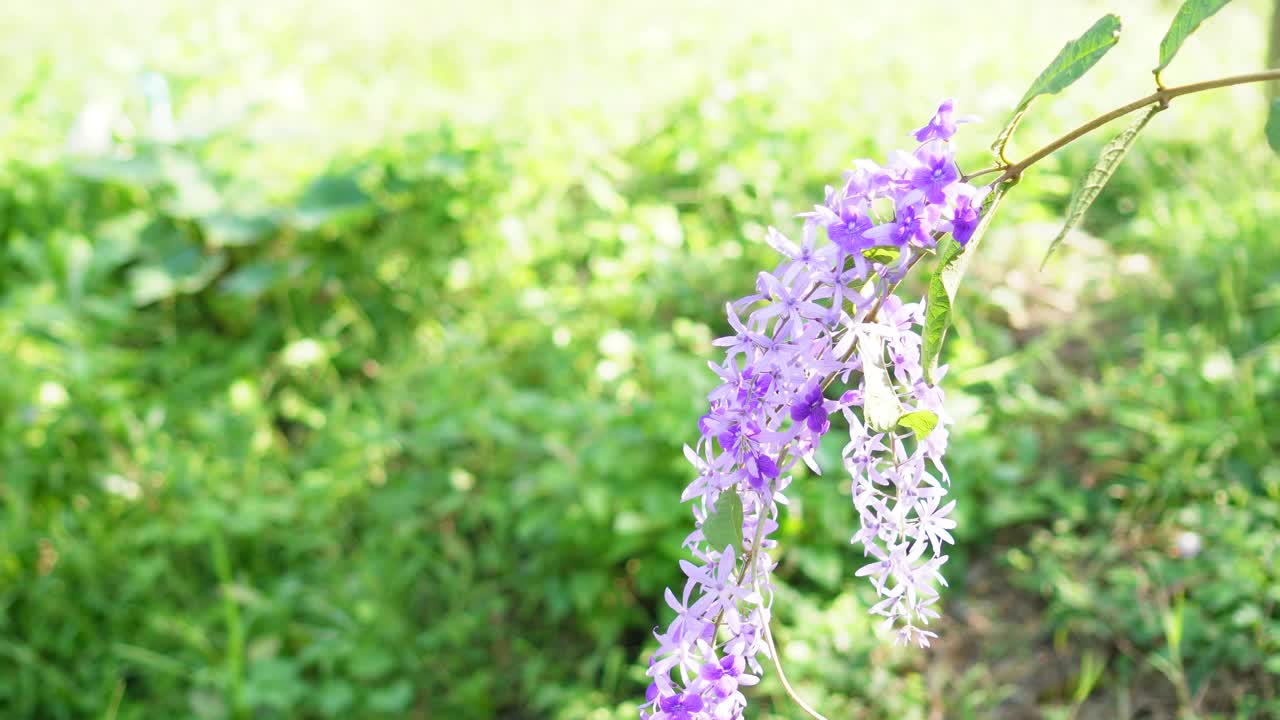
777 664
1161 96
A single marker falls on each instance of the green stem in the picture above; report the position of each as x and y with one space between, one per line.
1162 96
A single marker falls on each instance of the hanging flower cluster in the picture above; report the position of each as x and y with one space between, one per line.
825 316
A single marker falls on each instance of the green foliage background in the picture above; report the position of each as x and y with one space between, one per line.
363 396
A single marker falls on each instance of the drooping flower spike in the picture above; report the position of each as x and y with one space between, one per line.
825 314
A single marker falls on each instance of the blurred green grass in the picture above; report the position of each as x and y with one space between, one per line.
363 396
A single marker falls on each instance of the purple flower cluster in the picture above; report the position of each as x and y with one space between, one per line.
825 316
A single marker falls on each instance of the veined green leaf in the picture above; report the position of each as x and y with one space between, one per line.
879 403
1273 126
1075 59
920 422
1072 62
1188 19
1092 183
724 526
953 260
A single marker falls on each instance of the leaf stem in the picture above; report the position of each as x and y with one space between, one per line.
1162 96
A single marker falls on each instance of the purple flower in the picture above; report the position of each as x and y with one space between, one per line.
790 304
964 219
687 615
808 322
719 582
849 231
760 469
753 386
681 707
866 180
911 225
743 338
725 676
933 174
942 126
934 523
805 258
809 408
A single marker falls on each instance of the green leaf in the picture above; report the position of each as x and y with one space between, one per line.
395 698
883 254
920 422
144 170
1075 59
1188 19
603 194
274 683
1072 62
331 198
254 279
880 402
1273 126
1096 179
724 526
953 260
335 698
193 193
371 663
172 264
227 229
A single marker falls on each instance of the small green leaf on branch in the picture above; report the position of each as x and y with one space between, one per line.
882 254
1072 62
1187 21
724 526
920 422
